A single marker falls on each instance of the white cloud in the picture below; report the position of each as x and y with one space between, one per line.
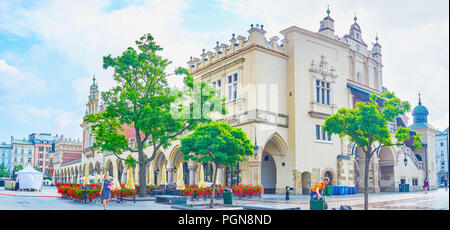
16 83
84 32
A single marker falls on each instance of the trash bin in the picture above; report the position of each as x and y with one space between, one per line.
406 187
329 190
228 196
349 190
401 188
354 190
315 204
341 190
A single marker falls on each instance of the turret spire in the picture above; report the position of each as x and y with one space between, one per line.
328 10
355 18
420 102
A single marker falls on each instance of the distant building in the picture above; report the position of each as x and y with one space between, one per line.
6 156
22 152
43 148
442 155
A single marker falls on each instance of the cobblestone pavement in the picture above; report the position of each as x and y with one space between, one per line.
48 199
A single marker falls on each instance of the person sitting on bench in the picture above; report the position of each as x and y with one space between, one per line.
317 191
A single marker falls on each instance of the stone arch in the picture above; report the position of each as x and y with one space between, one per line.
120 170
176 158
386 170
109 168
268 173
172 155
273 162
329 172
159 161
279 141
306 183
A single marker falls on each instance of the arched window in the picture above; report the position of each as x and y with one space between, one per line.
375 79
366 74
351 68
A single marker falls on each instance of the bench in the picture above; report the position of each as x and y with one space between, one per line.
171 199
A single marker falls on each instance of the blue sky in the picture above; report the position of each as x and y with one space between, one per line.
50 51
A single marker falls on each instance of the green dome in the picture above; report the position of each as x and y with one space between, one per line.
420 110
420 113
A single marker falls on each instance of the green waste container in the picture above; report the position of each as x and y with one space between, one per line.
328 190
317 204
228 196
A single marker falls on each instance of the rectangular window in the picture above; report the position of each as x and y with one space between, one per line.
29 159
323 92
15 150
29 151
317 132
40 163
41 148
323 96
232 86
22 151
322 135
318 95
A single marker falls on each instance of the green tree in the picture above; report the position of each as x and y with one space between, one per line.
216 142
4 172
143 100
367 126
16 169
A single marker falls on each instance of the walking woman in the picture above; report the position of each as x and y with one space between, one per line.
425 185
106 190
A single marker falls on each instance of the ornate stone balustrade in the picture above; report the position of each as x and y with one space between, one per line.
260 116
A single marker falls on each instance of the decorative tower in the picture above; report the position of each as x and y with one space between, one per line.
355 32
428 139
376 50
327 25
92 107
420 113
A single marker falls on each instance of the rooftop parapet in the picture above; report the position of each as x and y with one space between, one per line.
237 44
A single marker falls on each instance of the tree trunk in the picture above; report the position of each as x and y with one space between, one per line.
141 161
213 193
142 179
366 181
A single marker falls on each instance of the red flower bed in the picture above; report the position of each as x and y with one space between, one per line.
238 190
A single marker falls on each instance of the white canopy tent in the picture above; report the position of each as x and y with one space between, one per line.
29 178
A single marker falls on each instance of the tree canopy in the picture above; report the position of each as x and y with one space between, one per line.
367 126
143 100
216 142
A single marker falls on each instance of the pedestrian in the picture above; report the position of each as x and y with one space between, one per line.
317 191
106 191
425 185
445 183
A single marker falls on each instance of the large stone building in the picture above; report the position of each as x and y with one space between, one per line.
23 152
6 156
279 93
442 155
